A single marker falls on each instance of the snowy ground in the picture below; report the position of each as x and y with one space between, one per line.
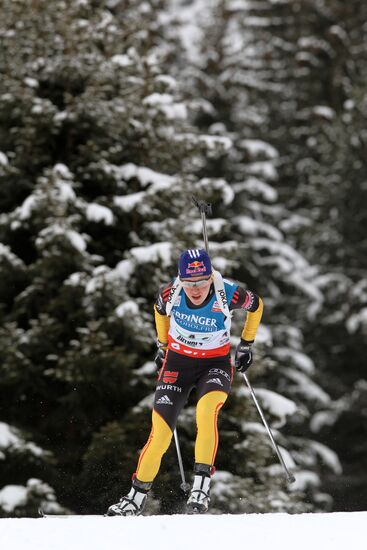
336 531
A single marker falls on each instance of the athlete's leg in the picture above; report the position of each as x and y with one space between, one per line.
207 411
157 444
213 388
176 379
213 383
173 387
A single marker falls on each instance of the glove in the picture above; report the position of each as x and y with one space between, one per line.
161 354
243 356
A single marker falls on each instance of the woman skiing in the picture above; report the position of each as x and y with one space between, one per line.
193 317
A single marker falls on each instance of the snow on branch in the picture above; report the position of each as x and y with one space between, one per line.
11 439
98 213
277 405
158 252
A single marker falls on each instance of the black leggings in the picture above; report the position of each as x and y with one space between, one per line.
212 379
180 374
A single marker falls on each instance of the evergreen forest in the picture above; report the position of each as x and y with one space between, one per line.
113 114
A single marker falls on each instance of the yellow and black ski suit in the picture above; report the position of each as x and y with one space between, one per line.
186 367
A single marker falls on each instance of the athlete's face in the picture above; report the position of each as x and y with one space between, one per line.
197 294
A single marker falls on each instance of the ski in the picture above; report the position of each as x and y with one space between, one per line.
68 516
77 516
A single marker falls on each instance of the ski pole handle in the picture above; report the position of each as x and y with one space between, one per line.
204 209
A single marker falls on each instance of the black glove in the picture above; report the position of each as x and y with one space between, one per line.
243 356
161 354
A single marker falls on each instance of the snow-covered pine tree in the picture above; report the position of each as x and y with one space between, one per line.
308 62
339 172
95 140
19 453
224 69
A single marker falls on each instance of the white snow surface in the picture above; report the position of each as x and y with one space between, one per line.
335 531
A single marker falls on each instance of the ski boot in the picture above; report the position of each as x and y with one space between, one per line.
133 503
198 501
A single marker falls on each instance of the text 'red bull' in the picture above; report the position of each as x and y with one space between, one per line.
195 267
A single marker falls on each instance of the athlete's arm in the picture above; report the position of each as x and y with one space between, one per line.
253 304
161 319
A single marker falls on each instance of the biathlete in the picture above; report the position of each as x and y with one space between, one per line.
193 316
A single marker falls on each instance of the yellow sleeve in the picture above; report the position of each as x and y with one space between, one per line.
252 323
162 326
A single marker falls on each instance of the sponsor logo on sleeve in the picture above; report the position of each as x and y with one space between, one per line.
160 303
249 300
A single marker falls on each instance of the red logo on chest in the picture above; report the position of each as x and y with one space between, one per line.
170 377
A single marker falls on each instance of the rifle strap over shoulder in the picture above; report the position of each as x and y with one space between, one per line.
173 295
220 292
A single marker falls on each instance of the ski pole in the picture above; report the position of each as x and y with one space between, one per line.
290 477
204 208
184 485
